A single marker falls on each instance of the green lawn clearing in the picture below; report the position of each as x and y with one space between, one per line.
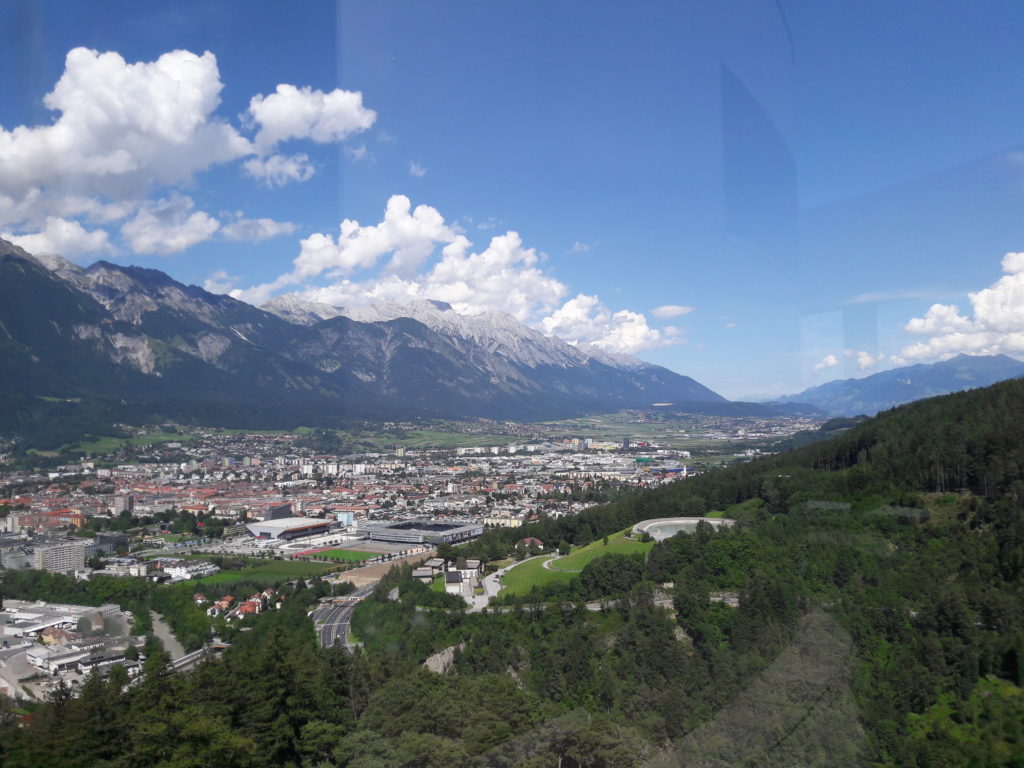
532 573
617 544
529 574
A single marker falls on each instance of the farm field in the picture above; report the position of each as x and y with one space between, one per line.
674 433
419 438
226 431
103 445
99 445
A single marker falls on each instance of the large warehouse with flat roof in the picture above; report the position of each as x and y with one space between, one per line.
288 528
417 532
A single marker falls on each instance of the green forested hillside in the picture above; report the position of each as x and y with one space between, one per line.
880 621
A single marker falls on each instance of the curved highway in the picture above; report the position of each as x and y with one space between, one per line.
333 620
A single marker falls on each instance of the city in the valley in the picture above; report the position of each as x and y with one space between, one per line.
171 504
132 511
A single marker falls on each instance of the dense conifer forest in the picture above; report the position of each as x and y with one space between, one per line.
880 621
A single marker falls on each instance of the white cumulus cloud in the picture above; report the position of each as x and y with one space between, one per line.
828 361
304 113
943 319
584 319
418 255
278 170
417 170
408 235
255 230
866 361
995 324
124 131
671 310
63 238
504 277
168 225
121 129
575 320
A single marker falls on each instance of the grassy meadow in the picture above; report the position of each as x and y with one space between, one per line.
524 577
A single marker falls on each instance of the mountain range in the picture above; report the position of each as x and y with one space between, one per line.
84 347
880 391
139 343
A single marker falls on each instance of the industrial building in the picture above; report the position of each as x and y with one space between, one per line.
26 619
416 532
288 528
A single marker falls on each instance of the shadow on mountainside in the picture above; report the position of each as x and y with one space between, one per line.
799 712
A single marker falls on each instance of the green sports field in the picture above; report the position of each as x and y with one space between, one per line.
347 555
269 572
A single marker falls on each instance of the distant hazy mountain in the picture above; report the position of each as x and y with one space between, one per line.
137 342
850 397
799 409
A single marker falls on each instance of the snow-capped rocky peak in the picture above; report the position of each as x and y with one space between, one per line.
291 308
614 359
496 332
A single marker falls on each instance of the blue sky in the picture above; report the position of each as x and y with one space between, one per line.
761 195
